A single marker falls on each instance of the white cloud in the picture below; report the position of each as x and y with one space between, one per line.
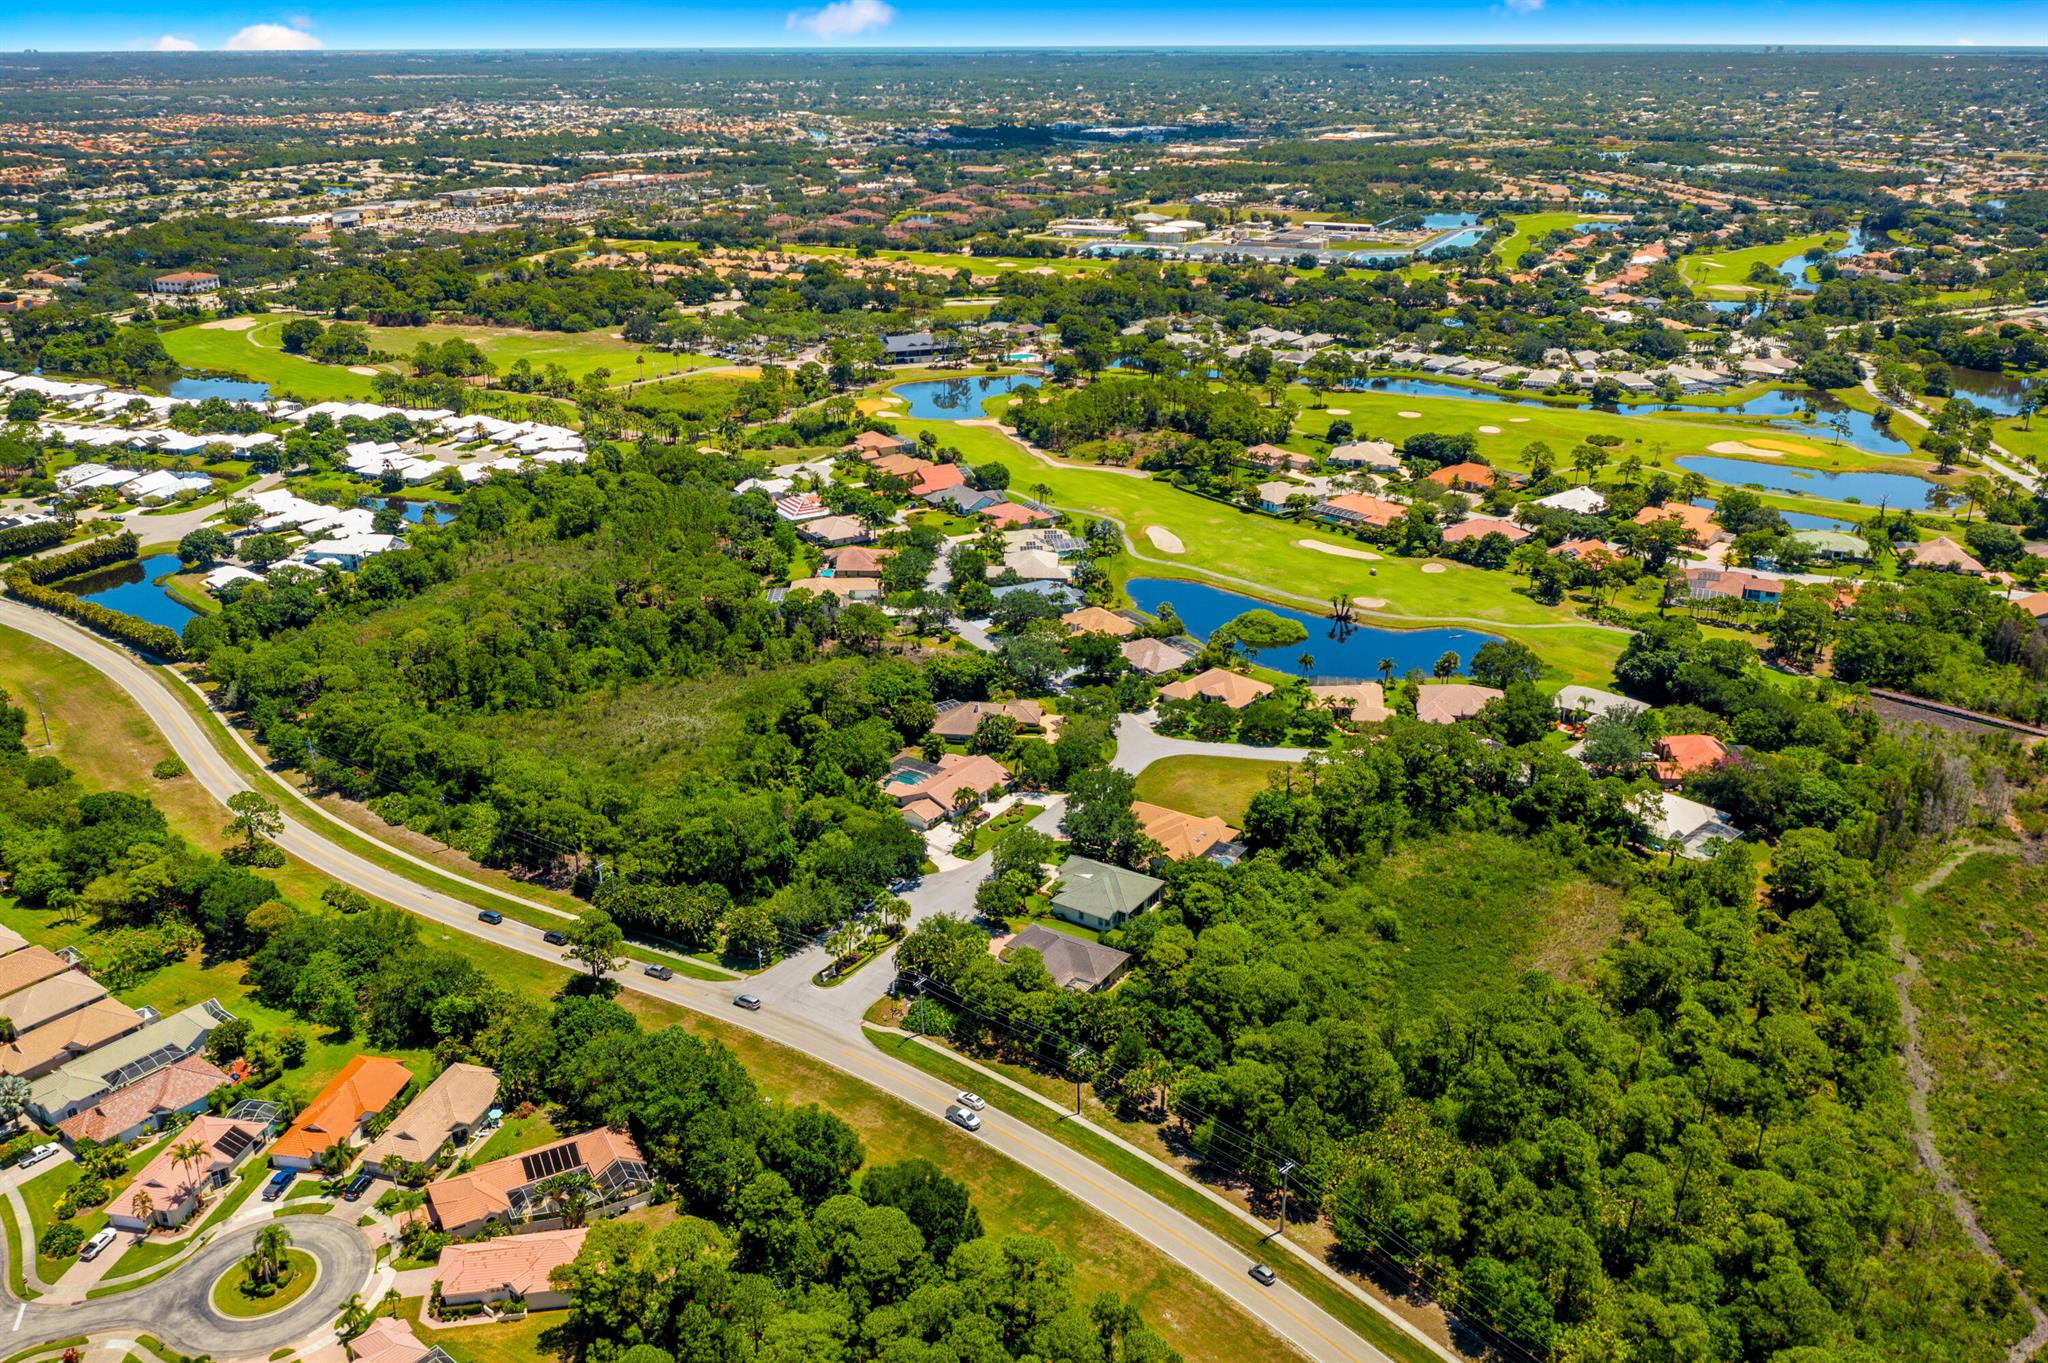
271 38
843 18
1523 6
171 42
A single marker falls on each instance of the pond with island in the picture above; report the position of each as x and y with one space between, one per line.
956 399
1341 652
133 589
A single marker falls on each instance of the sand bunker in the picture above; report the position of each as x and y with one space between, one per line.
1369 603
1432 567
1489 430
1338 411
362 369
229 324
1164 539
1411 416
1516 420
1339 550
1744 447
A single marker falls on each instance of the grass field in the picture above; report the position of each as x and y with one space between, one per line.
1727 271
1984 974
1531 228
1218 787
253 354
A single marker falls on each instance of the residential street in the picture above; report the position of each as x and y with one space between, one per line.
820 1030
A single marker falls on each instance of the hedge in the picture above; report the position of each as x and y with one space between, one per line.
86 557
126 629
22 539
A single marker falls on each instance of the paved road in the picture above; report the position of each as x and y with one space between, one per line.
177 1308
1137 747
1994 460
1287 1313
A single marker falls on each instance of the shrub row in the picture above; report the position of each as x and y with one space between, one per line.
22 539
86 557
126 629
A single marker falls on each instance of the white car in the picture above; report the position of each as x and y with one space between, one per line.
972 1100
963 1117
39 1154
91 1248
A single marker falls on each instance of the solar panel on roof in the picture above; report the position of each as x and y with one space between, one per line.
233 1142
548 1162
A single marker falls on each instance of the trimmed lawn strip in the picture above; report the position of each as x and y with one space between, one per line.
17 1252
1362 1319
1219 787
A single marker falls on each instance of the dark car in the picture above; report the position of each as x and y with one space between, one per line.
1262 1274
357 1186
491 916
661 972
750 1002
279 1181
555 939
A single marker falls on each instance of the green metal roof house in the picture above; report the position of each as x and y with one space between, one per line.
1097 895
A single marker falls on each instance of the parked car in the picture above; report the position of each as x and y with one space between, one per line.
750 1002
39 1154
972 1100
661 972
91 1248
963 1117
279 1181
357 1186
1262 1274
491 916
555 939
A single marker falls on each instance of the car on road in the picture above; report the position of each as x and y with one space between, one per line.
973 1100
491 916
750 1002
905 885
963 1117
279 1181
1262 1274
554 938
357 1186
39 1154
661 972
91 1248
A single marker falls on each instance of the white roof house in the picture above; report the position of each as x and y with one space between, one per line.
225 576
347 551
1690 826
161 485
1584 501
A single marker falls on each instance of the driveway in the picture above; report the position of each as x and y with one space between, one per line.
178 1309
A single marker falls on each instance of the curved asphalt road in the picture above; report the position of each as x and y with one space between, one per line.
1289 1315
177 1308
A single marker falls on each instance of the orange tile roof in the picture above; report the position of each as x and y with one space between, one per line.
519 1263
1681 755
1096 620
365 1085
1179 835
1232 689
1450 475
171 1088
487 1189
1697 520
30 965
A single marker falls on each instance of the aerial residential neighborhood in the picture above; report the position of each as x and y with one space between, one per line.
724 686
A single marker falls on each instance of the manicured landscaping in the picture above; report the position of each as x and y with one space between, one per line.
253 353
1727 271
232 1296
1516 249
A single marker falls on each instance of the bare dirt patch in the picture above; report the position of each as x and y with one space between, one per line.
1164 540
1338 550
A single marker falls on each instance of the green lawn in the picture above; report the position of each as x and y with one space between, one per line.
519 1341
1727 270
231 1297
1984 973
984 265
516 1136
1218 787
577 352
1530 228
253 354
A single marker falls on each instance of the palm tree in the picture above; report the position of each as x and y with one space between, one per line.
265 1262
143 1205
188 1154
1386 670
1307 663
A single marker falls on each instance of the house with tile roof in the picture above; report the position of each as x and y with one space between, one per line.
390 1340
1096 620
1943 553
1181 836
1697 520
1358 508
1680 755
446 1113
960 719
78 1083
76 1034
174 1188
1233 689
1467 477
30 965
518 1191
1154 657
937 786
48 1000
1449 702
1359 702
366 1086
123 1115
487 1271
1479 527
1072 962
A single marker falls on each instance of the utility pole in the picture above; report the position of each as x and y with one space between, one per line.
1075 1058
42 715
1286 1168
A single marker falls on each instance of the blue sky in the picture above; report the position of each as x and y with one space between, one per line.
386 24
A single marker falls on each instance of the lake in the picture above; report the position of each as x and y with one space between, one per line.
1798 520
953 399
1997 393
1341 652
1894 490
131 589
1794 268
234 390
